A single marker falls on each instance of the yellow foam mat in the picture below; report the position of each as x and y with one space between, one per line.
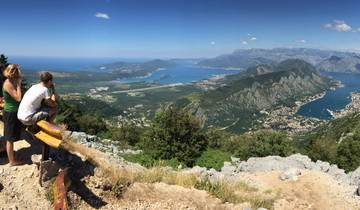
48 139
50 128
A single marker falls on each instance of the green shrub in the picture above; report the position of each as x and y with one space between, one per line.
322 149
91 124
127 134
174 163
175 133
260 144
213 159
148 161
217 138
348 154
143 159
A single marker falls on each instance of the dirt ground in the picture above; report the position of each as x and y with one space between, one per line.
312 190
20 189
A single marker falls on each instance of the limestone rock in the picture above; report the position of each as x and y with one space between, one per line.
354 177
290 174
198 170
228 169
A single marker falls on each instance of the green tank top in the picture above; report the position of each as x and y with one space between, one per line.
11 105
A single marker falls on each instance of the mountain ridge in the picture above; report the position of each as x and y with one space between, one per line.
244 95
245 58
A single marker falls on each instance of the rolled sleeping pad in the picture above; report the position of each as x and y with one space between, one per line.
50 129
48 139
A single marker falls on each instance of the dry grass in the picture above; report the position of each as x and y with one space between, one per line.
238 192
184 180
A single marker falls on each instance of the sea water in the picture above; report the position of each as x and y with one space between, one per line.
334 99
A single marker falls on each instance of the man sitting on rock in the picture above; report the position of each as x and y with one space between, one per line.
39 102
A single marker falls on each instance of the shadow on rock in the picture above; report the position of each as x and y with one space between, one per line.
80 170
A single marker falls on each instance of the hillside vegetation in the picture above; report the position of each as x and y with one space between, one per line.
239 101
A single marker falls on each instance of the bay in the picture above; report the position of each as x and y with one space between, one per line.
333 100
180 74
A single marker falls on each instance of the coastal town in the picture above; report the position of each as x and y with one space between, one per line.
352 107
285 118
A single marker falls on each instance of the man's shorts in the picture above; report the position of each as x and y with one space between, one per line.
43 113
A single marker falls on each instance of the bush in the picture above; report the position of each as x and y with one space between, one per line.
322 149
213 159
127 134
260 144
143 159
91 124
348 154
175 133
217 138
174 163
148 161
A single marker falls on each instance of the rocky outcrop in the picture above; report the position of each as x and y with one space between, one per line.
107 146
289 166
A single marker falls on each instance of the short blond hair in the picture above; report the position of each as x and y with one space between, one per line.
12 71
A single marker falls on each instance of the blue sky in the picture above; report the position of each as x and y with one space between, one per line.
173 28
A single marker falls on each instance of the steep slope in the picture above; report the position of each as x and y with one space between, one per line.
350 64
262 88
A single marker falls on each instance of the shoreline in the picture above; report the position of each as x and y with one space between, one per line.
149 88
352 107
285 118
224 68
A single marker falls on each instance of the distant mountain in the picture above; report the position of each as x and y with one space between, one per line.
350 64
246 58
135 69
264 87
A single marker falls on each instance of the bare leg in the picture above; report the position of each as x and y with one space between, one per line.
10 153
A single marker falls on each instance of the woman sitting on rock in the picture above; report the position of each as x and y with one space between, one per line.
12 98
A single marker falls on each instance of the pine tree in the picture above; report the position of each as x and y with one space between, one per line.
3 60
3 64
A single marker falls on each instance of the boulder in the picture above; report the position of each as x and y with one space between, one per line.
228 169
322 166
338 174
198 170
278 163
290 174
235 160
354 177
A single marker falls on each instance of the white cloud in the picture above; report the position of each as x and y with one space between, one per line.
102 15
338 25
244 42
212 43
328 25
303 41
253 38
